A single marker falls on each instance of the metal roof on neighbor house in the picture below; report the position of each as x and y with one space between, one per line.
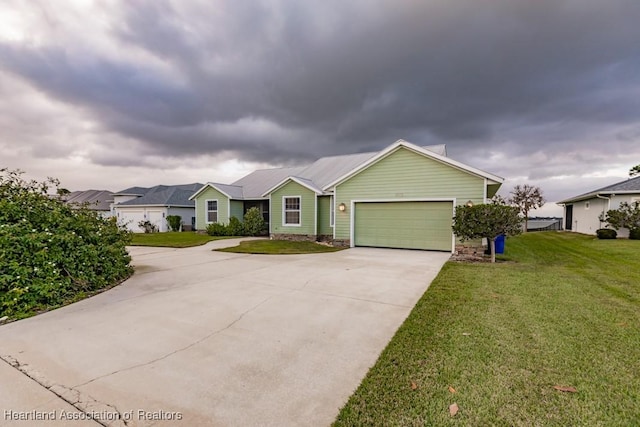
628 186
98 200
164 195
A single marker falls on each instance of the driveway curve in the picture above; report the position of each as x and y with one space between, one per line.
198 337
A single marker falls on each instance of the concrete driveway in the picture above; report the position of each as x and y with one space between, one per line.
199 338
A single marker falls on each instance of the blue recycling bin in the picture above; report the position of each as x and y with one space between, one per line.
500 244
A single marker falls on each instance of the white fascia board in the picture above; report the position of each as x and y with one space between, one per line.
595 195
215 187
492 179
294 179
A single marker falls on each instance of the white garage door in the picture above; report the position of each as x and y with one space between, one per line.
157 218
131 218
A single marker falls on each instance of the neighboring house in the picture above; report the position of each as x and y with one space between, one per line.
136 204
401 197
582 213
97 200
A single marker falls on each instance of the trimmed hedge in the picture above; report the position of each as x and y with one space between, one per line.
606 234
51 253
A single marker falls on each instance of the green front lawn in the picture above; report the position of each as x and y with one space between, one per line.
279 247
173 239
563 311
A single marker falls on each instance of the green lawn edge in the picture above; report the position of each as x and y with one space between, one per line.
279 247
174 239
564 312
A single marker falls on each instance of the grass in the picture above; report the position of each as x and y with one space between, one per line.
173 239
279 247
564 311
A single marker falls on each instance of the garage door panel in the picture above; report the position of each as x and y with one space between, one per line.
410 225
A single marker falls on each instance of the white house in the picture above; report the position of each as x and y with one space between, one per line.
582 213
154 204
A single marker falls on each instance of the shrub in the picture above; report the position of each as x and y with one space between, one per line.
253 222
634 234
174 222
486 220
235 227
606 233
51 253
148 226
217 229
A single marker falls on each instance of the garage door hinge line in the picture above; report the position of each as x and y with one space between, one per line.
81 401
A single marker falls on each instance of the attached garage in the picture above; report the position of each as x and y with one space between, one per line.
407 224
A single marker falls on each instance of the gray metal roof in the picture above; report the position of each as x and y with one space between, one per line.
98 200
317 174
234 191
164 195
258 182
628 186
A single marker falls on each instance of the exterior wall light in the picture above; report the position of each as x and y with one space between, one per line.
342 207
470 204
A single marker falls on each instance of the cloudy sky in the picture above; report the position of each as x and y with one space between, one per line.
110 94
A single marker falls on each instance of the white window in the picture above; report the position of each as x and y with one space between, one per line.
212 211
332 212
292 210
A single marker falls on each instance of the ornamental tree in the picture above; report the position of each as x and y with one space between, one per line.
486 221
626 216
526 197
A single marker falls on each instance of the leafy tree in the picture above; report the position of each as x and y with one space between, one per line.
52 253
488 221
634 171
253 222
626 216
526 197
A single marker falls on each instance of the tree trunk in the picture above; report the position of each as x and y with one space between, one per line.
526 221
493 249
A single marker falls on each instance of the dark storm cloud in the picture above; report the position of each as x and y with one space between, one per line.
276 81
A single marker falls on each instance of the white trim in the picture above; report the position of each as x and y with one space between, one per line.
484 195
270 217
335 198
430 154
213 185
284 211
206 211
332 212
352 242
315 212
294 179
595 195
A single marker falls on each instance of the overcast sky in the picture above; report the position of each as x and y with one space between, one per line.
108 95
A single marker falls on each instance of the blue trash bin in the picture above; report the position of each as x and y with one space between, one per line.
500 244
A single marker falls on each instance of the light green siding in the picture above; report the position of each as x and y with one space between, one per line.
324 210
405 174
307 214
201 207
409 225
237 209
